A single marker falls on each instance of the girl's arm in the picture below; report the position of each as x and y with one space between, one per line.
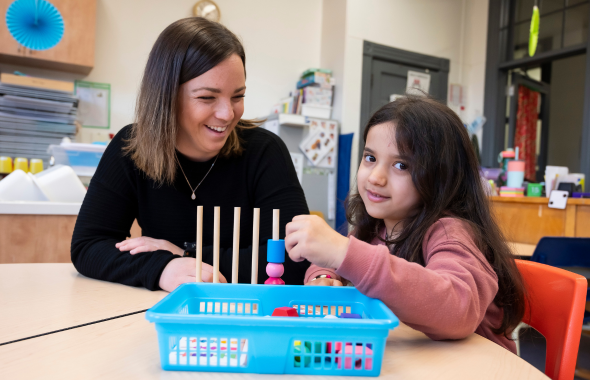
447 299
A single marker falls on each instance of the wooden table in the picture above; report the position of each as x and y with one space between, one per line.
41 298
126 347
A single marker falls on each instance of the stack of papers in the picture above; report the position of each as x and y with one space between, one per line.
32 119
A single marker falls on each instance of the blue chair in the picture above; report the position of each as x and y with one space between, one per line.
568 253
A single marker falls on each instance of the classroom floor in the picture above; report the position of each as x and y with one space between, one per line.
532 349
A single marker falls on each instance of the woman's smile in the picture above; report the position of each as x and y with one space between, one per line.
218 129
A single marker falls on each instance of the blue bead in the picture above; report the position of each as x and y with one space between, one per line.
275 252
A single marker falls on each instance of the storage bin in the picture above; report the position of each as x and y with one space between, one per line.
228 328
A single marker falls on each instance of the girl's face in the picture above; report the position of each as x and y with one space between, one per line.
209 107
384 181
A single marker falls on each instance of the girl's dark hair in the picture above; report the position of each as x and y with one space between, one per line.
185 50
445 172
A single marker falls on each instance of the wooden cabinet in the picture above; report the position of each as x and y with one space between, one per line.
74 53
39 238
527 220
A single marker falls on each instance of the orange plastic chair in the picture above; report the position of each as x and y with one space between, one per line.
555 308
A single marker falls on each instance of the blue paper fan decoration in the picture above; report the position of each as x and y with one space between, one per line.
35 24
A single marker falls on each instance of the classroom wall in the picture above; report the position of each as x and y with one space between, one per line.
566 112
281 39
452 29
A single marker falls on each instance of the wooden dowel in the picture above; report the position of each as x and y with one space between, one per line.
255 233
199 243
216 246
236 250
275 224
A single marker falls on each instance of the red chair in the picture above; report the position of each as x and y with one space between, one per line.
555 308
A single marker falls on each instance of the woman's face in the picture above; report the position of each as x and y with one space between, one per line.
209 107
383 179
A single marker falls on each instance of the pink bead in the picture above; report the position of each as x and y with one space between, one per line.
275 270
274 281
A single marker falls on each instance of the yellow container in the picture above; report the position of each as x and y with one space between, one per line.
5 165
22 164
36 165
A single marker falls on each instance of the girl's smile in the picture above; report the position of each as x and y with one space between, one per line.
373 196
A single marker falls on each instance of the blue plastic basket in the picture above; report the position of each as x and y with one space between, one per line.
227 328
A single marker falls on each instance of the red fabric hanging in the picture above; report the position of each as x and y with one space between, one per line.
525 136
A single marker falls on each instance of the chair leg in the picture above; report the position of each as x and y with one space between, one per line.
582 373
516 338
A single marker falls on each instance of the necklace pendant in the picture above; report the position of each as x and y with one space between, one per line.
193 197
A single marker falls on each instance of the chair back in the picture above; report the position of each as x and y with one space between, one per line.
555 308
563 251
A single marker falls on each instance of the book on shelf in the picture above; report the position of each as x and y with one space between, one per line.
39 83
35 113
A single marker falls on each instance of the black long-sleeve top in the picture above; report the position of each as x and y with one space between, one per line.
262 177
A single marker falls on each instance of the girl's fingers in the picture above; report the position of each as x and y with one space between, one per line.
293 226
295 254
291 240
301 217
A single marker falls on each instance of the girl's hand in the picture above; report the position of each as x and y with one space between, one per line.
182 270
325 282
147 244
310 237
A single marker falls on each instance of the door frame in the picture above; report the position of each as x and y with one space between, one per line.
545 90
373 51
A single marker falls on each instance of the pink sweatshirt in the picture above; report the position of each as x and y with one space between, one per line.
450 298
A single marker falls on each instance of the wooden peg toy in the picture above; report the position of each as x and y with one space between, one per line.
255 234
275 254
216 246
199 244
236 247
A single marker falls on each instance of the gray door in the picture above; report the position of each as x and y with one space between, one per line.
391 78
385 73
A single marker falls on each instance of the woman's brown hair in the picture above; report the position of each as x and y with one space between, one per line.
184 50
445 172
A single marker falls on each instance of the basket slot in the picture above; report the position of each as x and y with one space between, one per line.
208 351
322 310
322 355
218 307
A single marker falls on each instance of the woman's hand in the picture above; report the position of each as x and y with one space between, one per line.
182 270
325 282
147 244
310 237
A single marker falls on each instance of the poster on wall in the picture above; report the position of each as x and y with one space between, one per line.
419 81
94 108
331 129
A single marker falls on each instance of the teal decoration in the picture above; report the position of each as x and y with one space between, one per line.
35 24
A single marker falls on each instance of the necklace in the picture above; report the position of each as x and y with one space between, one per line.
193 197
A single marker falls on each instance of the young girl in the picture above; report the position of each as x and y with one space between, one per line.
423 241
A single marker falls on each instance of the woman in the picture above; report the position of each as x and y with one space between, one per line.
187 147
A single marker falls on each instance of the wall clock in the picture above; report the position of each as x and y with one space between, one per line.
207 9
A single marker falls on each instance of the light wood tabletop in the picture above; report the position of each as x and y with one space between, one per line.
127 348
41 298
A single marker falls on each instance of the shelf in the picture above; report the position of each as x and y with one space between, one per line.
291 120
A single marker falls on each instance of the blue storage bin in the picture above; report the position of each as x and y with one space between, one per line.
83 158
228 328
